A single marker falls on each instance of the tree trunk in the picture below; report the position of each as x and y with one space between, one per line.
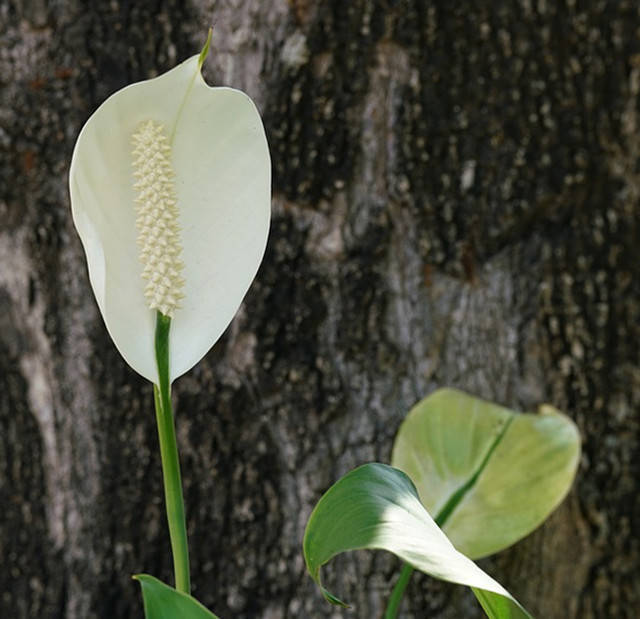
455 203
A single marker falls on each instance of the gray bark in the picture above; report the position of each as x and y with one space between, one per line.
455 203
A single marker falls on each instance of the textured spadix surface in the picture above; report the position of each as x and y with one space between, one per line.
222 178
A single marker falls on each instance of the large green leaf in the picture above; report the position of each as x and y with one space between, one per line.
494 474
377 507
164 602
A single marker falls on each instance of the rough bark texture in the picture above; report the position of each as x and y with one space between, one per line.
456 194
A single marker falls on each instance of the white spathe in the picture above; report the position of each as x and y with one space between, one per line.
222 180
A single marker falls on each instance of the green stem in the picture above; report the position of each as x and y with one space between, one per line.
169 456
395 599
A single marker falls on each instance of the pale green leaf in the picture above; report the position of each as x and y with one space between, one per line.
164 602
377 507
507 470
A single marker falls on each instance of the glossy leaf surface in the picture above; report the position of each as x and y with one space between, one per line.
377 507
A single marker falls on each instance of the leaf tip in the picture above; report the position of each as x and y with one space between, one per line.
333 599
205 50
142 578
547 409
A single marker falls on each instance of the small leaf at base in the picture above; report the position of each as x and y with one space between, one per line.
164 602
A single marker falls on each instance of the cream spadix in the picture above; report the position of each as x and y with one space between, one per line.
170 194
157 222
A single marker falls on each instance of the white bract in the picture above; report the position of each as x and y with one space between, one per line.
170 186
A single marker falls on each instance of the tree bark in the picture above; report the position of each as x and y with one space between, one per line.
455 203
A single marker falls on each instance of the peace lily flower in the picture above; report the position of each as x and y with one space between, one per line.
170 193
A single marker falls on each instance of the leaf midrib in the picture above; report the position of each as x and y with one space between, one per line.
455 499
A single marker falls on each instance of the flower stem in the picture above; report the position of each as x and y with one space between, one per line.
169 456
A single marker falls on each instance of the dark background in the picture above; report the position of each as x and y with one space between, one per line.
455 203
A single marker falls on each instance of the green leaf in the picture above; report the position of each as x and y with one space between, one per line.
164 602
377 507
494 474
